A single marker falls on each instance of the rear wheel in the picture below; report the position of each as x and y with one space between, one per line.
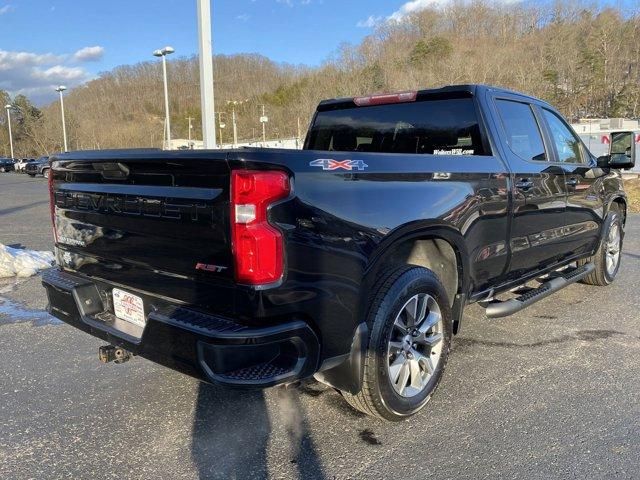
607 257
410 323
45 173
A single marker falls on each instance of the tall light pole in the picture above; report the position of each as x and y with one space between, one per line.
61 89
206 74
8 107
163 52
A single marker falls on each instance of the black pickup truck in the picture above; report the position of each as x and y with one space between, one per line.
38 167
351 260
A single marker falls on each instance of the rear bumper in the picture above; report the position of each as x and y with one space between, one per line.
208 347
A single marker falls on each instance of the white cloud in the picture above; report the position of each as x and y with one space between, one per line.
409 8
37 74
10 60
6 9
370 22
414 6
89 54
243 17
60 73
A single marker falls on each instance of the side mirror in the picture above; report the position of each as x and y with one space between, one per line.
622 151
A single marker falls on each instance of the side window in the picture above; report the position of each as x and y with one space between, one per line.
567 144
523 133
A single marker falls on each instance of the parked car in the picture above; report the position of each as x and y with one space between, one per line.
20 164
38 167
351 260
6 165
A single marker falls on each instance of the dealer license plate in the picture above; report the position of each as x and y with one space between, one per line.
128 307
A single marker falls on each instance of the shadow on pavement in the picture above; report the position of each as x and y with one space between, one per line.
7 211
232 430
230 433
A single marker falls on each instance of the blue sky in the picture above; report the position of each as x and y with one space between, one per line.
48 42
115 32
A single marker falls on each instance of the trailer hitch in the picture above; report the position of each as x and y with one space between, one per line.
109 353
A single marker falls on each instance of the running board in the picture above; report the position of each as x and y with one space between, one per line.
497 309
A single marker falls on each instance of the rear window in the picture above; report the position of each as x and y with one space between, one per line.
438 127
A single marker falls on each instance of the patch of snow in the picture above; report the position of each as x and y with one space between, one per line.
22 262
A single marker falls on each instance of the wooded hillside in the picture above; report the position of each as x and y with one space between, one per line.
584 61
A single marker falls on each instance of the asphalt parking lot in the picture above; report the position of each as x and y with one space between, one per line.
549 393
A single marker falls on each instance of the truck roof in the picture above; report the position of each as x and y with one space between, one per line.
446 91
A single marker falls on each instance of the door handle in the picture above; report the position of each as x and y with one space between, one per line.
524 184
572 182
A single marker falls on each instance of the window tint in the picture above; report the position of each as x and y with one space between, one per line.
567 144
523 134
441 127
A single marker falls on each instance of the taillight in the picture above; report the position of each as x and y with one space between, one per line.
52 206
386 98
257 245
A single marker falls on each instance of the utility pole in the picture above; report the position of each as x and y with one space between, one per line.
221 124
233 104
190 127
207 102
235 128
263 120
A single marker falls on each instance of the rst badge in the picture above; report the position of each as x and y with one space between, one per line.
331 164
205 267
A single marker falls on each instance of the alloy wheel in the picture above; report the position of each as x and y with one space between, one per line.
415 345
612 255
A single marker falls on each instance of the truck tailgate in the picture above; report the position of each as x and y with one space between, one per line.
154 221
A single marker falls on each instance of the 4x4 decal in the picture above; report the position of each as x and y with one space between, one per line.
331 164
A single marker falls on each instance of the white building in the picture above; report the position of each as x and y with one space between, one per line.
596 133
288 143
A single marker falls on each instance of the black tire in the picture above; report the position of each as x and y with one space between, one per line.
45 173
32 175
378 396
602 275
